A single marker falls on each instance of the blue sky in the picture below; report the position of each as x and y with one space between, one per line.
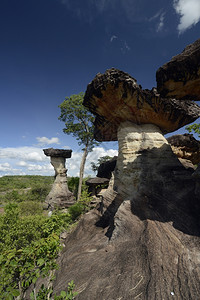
51 49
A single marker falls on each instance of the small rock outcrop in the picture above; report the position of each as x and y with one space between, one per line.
185 146
59 196
180 78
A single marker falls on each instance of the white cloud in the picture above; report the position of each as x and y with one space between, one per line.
21 163
32 161
94 155
23 153
46 141
112 38
5 167
189 12
161 22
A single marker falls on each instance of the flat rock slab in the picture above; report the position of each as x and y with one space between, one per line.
58 152
97 181
180 78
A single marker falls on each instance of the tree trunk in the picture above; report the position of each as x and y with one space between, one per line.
82 166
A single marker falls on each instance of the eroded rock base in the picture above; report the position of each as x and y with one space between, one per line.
60 196
142 241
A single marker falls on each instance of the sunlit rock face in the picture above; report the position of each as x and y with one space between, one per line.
136 163
185 146
59 196
180 78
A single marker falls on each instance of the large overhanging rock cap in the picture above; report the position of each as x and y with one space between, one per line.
58 152
115 97
180 78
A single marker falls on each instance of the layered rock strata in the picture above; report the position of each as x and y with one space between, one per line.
180 78
59 196
185 146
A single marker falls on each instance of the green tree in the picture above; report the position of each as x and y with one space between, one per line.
100 160
78 122
194 127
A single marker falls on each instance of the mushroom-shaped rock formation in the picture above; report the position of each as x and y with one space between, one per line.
95 184
59 196
142 241
185 146
115 97
137 119
180 78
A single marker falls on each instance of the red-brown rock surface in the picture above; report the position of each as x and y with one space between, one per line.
180 78
115 97
185 146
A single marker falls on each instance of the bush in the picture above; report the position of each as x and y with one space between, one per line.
80 207
30 208
29 247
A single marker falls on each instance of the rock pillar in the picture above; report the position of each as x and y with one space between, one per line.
144 162
59 196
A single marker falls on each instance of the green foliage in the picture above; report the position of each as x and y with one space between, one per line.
100 160
78 120
30 241
29 247
46 293
194 127
73 185
81 206
30 208
31 188
23 182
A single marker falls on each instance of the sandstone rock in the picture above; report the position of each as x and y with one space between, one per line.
59 196
58 152
115 97
129 253
196 176
142 241
187 163
180 78
105 169
185 146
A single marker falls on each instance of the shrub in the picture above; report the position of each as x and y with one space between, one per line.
30 208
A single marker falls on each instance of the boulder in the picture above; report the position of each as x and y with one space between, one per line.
105 169
180 78
185 146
